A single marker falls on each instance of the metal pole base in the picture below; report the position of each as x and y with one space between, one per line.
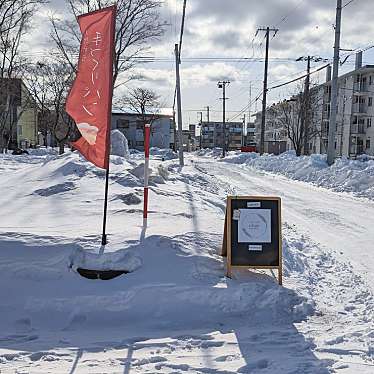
104 239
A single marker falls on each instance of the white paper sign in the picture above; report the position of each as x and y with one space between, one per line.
255 247
254 204
254 226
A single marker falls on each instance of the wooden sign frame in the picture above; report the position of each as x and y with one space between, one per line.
227 236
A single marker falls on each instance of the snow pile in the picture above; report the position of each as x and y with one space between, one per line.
42 151
119 144
210 152
344 176
170 286
164 154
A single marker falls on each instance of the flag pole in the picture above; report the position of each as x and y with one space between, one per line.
147 130
104 240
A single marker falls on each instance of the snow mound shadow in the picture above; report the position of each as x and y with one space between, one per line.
55 189
131 198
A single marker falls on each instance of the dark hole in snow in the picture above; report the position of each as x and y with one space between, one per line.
101 274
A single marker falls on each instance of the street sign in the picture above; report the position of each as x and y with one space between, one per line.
252 235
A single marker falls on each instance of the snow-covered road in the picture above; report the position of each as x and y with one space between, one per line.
337 221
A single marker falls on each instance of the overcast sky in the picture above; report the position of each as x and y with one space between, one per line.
222 29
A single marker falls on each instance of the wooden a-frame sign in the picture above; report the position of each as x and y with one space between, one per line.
252 234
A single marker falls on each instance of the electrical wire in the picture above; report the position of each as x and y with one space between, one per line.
349 2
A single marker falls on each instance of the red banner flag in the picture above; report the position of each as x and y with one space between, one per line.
89 102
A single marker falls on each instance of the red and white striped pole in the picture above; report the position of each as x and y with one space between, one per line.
147 132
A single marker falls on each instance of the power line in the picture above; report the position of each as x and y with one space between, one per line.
349 2
243 110
298 78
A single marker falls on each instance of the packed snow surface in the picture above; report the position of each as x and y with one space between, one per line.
356 176
175 311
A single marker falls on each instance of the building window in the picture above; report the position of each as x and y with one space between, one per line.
139 125
370 79
140 143
123 124
367 143
370 102
368 122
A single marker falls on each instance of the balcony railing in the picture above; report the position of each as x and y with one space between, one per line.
357 149
359 108
357 128
360 87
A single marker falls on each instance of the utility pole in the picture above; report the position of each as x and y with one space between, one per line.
305 108
207 113
243 135
179 103
334 86
201 127
222 84
249 106
265 89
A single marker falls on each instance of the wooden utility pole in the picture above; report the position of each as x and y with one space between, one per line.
179 104
307 108
334 86
265 89
207 113
222 84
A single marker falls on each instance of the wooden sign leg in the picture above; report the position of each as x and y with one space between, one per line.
280 275
228 237
224 242
228 268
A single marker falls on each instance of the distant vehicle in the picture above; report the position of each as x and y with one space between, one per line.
248 148
20 151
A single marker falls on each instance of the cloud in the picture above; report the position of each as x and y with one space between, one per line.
222 28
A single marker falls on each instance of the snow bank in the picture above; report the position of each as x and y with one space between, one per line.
171 285
210 152
345 175
42 151
165 154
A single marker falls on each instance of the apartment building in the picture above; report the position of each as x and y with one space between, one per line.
354 131
132 126
275 139
354 134
212 135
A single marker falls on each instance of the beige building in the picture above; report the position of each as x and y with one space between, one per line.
212 135
18 115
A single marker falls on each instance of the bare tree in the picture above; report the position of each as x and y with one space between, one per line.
15 21
142 101
49 82
138 22
292 115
